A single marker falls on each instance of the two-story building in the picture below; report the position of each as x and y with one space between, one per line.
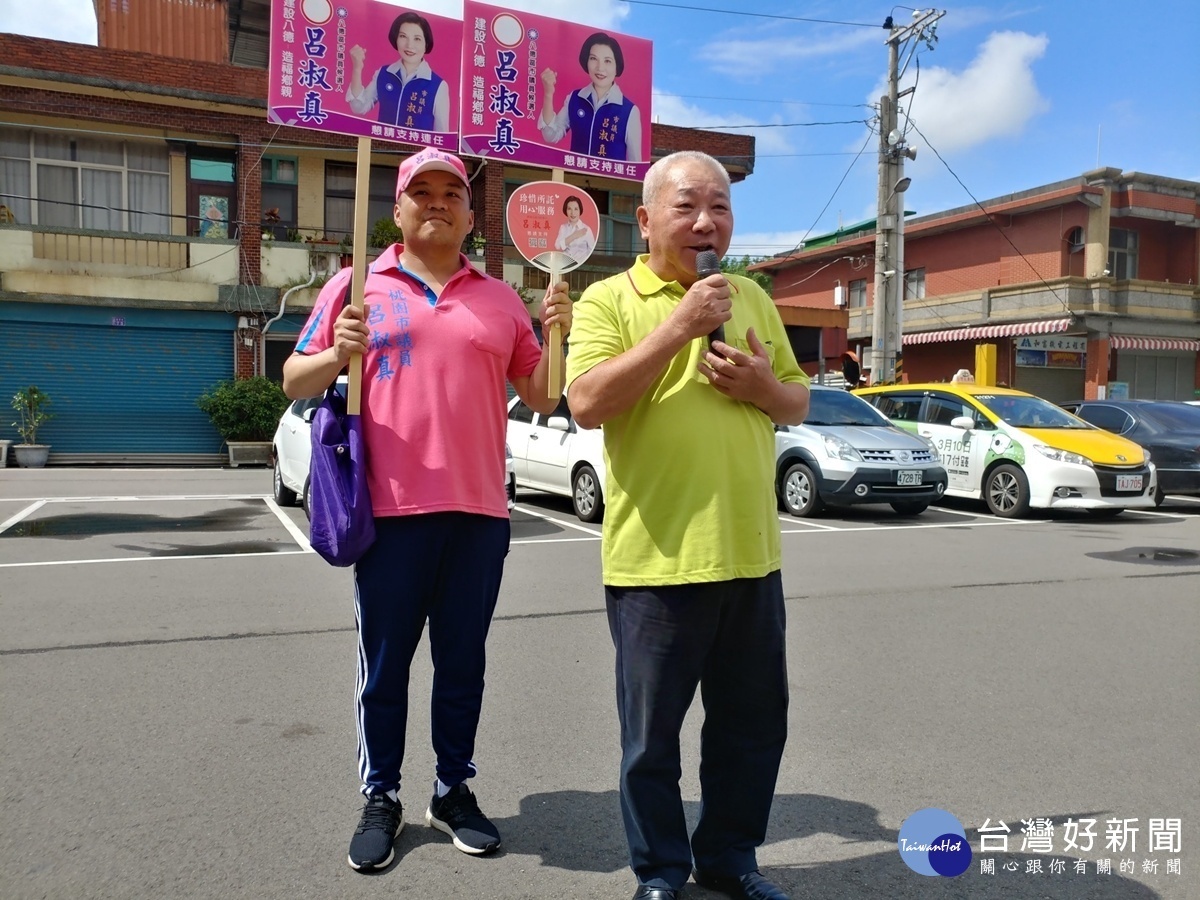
1086 287
152 221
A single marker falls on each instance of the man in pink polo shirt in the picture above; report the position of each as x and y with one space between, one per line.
439 339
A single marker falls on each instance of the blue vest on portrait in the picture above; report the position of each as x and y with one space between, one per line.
599 135
407 105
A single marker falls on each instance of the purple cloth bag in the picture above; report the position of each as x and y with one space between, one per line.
341 523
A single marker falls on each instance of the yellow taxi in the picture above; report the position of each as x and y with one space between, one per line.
1016 451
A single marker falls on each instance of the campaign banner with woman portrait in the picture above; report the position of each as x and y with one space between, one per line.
554 93
366 68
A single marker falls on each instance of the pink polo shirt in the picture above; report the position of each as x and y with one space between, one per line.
433 395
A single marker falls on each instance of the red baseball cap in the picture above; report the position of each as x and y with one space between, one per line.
427 160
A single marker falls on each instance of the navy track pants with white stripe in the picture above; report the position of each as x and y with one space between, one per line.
444 568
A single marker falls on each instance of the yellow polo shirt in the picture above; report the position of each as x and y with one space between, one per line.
690 490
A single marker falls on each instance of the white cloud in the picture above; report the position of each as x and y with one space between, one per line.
60 20
670 109
758 57
995 96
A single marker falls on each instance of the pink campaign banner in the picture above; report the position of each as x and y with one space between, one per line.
366 68
554 93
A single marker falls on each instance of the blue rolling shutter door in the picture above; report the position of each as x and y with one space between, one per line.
120 381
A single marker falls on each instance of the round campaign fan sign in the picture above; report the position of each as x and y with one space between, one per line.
553 224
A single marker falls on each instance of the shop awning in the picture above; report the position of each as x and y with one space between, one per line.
1125 342
983 332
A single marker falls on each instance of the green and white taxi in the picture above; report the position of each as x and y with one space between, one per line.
1016 451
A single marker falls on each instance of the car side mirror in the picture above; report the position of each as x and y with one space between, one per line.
966 423
308 414
558 423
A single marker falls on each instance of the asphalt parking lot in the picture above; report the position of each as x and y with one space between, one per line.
176 669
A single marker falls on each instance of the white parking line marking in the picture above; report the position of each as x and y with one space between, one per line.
795 520
571 540
914 527
80 562
27 511
295 532
562 522
147 498
1151 512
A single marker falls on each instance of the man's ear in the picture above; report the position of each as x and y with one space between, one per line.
643 220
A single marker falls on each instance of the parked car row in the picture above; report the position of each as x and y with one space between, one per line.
906 445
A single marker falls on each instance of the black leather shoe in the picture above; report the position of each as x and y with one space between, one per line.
645 892
751 886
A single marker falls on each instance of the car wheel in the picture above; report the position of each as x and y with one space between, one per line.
307 498
586 495
283 495
910 507
799 491
1007 491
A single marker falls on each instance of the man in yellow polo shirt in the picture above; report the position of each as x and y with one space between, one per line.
691 557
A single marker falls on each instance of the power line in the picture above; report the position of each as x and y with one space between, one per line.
782 125
845 174
991 222
757 15
772 100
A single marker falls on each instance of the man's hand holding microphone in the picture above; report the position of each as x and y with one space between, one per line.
735 373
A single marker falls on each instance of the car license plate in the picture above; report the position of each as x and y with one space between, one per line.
908 477
1129 482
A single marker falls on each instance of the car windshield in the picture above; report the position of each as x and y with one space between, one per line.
1029 412
1172 416
842 408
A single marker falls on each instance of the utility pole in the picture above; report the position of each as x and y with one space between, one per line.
887 319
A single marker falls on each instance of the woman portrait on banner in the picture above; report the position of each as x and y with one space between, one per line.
602 120
409 93
575 238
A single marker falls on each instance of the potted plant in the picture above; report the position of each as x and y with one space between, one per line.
245 413
478 244
30 404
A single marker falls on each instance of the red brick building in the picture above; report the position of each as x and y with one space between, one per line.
152 221
1085 286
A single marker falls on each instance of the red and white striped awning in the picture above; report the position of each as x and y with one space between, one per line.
981 332
1126 342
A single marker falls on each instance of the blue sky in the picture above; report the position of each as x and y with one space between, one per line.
1013 95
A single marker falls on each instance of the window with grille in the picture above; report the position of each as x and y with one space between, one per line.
339 197
60 180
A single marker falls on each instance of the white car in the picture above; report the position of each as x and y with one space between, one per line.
553 454
292 448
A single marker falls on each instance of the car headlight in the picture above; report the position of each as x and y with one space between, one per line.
1062 455
840 449
937 457
507 452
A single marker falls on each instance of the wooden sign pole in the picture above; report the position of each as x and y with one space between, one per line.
358 275
554 375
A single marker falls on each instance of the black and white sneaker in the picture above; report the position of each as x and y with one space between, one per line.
457 814
371 847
